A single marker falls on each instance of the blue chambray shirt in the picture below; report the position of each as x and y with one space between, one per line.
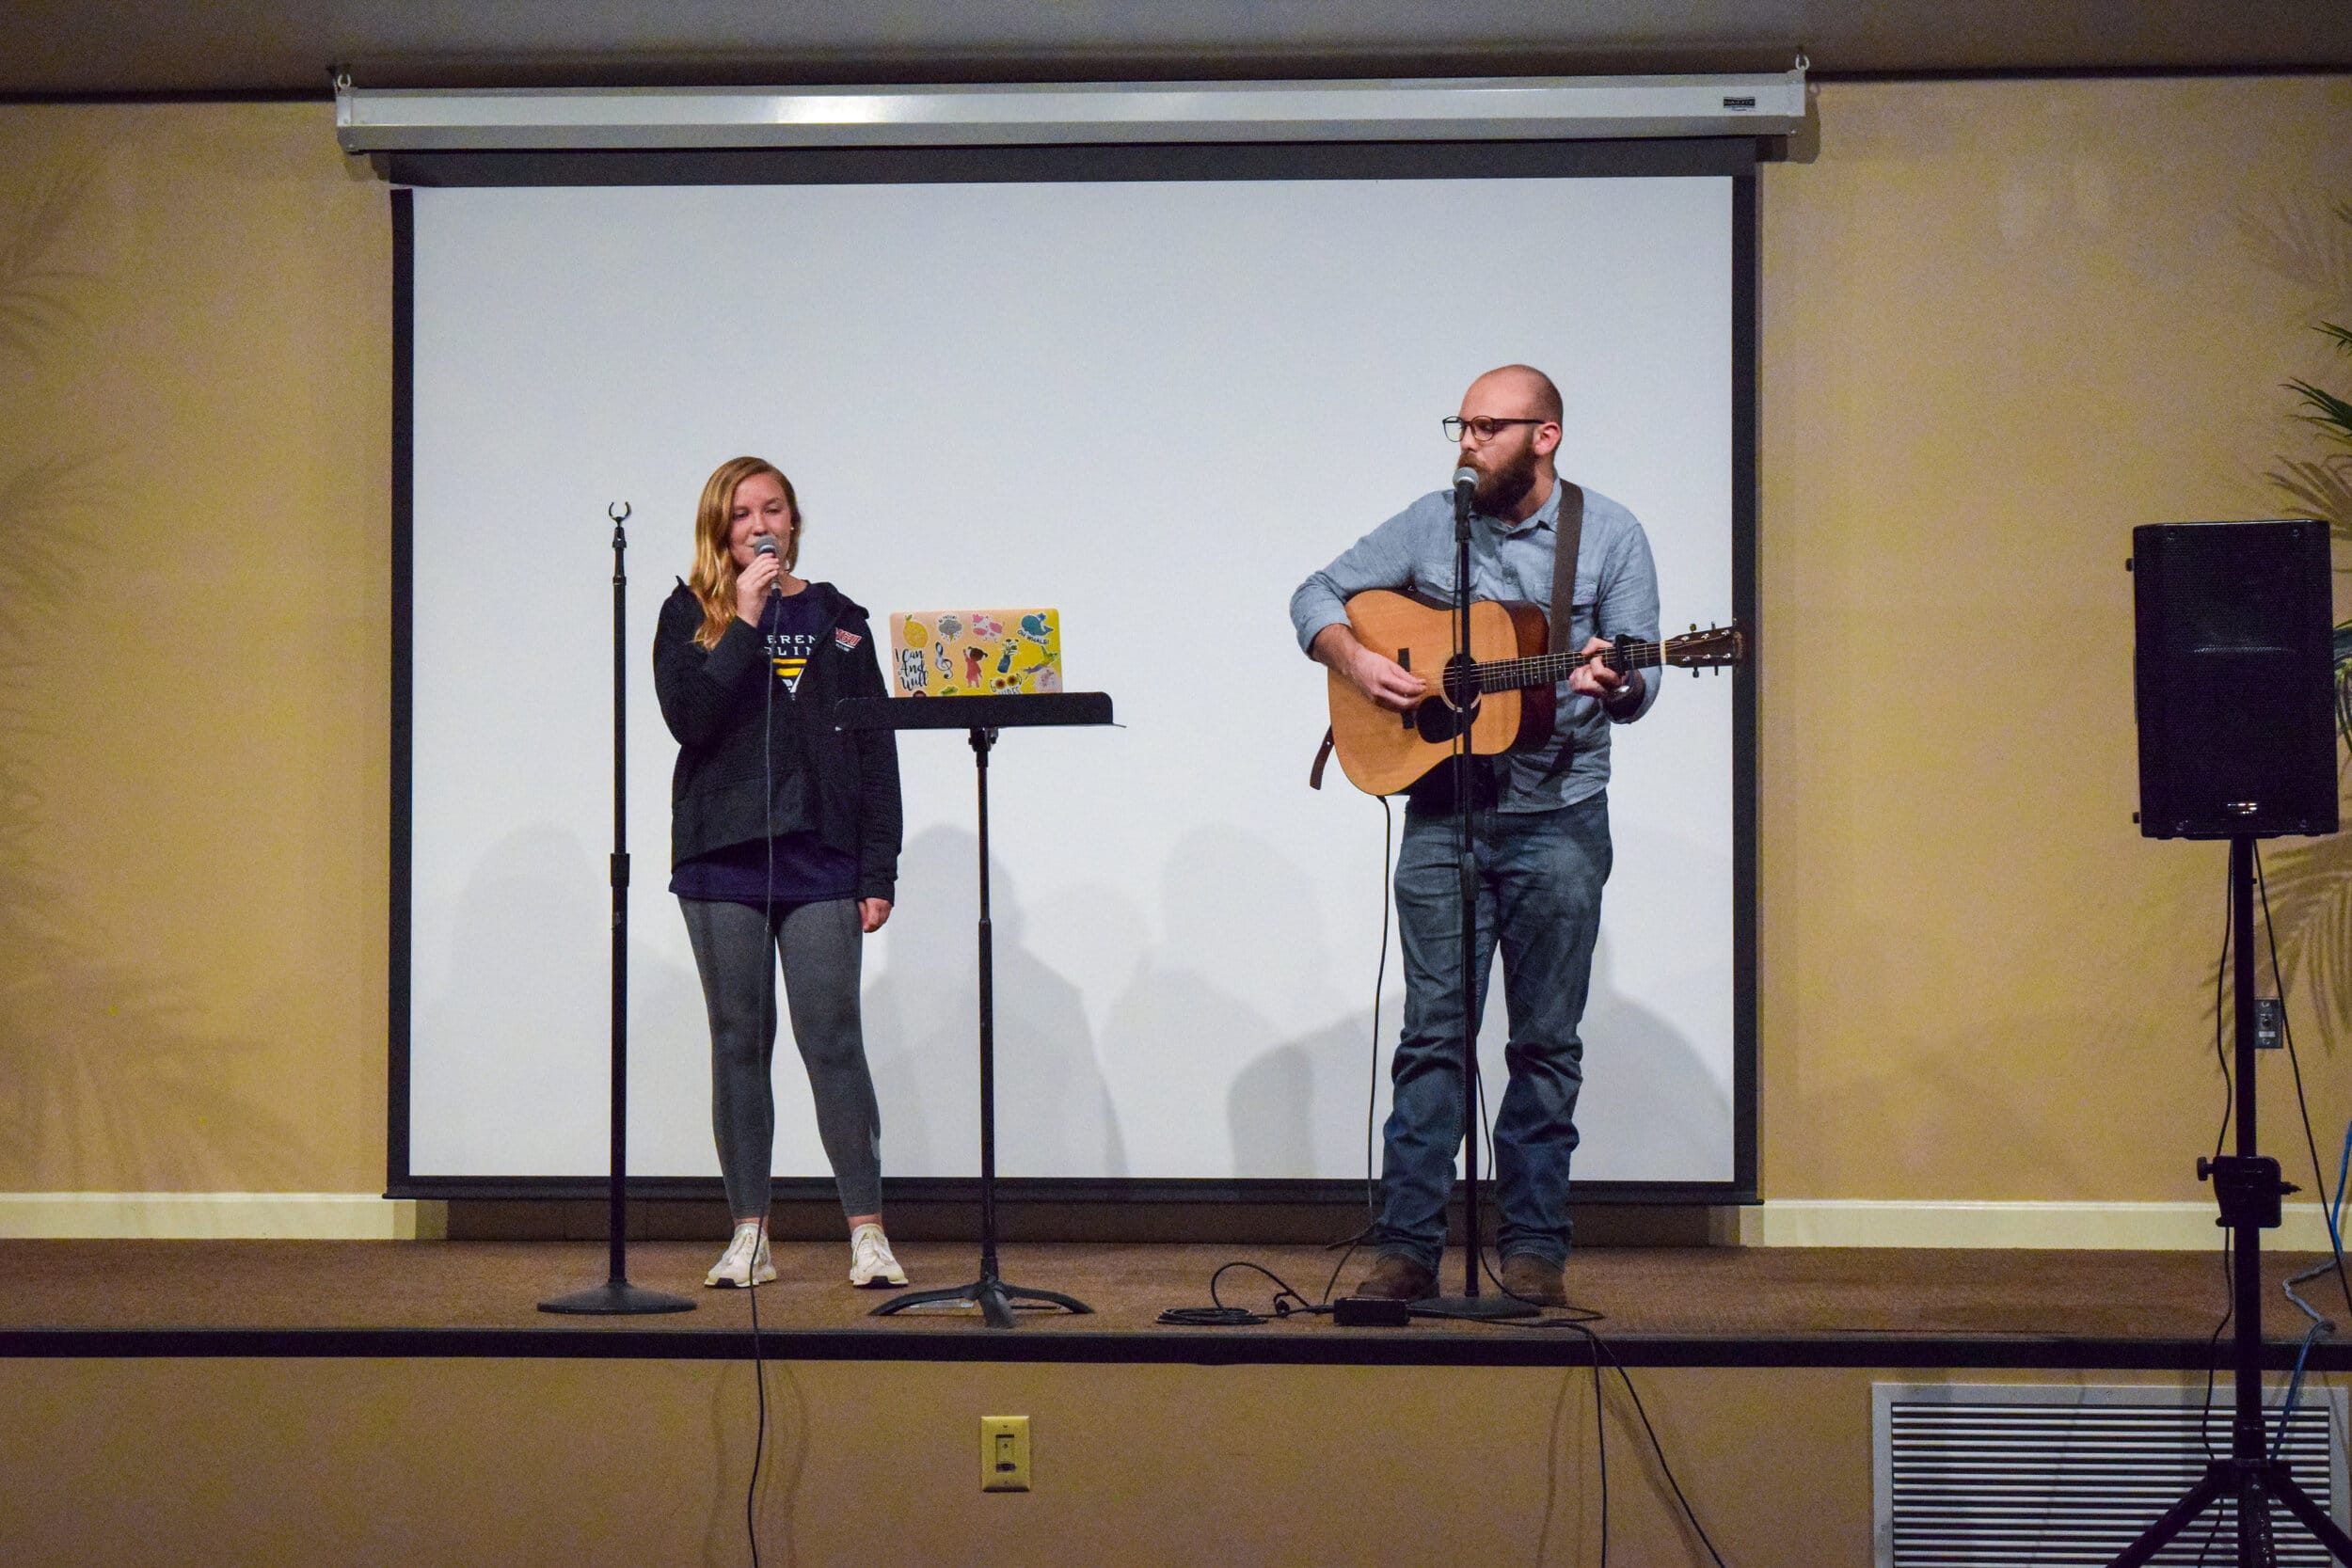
1616 592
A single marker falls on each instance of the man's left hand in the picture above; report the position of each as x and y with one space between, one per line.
872 912
1594 679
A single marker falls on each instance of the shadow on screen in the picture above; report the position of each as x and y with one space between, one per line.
1054 1114
1666 1117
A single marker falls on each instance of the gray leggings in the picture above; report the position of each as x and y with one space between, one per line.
821 946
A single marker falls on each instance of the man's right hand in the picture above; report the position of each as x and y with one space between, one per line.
1381 679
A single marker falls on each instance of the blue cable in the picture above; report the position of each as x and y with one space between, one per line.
2334 1212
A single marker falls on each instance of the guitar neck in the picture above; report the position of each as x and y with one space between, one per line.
1514 674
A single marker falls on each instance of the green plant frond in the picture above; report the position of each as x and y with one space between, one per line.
2299 244
2330 413
2321 489
2310 898
36 284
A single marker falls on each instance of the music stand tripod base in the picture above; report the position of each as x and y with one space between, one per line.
993 1297
982 716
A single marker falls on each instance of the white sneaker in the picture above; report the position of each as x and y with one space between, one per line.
745 1261
870 1262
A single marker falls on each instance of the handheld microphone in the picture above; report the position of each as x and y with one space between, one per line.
766 545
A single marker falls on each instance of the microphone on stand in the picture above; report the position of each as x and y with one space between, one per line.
766 545
1465 491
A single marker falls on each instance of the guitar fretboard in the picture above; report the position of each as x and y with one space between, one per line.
1514 674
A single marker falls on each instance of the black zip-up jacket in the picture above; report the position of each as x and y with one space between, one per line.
713 701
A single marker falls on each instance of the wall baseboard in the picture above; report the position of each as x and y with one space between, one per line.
183 1217
1786 1222
2125 1226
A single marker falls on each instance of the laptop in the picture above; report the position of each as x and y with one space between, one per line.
974 653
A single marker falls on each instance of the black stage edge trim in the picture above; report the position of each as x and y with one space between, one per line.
1745 350
1032 1190
1305 1342
398 932
898 165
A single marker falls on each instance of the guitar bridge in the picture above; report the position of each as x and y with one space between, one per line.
1404 661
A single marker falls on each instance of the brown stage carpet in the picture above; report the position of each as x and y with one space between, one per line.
1692 1306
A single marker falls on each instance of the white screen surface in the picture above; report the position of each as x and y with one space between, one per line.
1156 407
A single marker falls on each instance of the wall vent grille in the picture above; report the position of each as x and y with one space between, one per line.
2029 1475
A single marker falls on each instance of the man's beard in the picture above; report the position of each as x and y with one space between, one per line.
1501 490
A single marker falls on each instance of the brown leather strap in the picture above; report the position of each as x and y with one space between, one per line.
1568 536
1323 754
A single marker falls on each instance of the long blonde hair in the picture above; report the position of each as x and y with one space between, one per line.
713 576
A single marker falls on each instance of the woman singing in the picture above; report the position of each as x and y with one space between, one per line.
783 839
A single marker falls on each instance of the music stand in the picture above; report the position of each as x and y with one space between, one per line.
982 717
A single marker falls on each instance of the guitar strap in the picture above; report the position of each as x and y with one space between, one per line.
1568 537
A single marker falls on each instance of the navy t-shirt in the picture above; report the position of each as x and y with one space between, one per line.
795 866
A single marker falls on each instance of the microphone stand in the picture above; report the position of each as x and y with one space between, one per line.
1462 667
616 1294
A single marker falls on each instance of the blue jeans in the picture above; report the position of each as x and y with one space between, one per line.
1538 891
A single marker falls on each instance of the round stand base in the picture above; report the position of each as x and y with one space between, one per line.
1479 1308
617 1296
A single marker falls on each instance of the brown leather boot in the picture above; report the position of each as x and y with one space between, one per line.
1397 1278
1536 1280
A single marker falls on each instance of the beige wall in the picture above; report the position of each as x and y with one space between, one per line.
2002 323
195 461
422 1463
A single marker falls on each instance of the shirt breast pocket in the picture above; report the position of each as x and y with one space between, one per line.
1580 621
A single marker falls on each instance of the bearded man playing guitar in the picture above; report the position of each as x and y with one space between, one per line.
1539 820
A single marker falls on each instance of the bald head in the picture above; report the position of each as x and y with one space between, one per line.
1526 388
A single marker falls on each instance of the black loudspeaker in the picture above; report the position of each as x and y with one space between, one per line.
2233 679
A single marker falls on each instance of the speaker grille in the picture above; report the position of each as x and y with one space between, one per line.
2022 1476
2233 679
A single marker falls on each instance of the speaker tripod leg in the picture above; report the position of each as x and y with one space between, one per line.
2298 1502
2217 1483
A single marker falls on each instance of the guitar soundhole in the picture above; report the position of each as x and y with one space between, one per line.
1441 717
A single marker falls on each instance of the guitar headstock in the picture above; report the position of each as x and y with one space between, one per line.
1712 649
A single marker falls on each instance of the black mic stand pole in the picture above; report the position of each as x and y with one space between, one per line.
616 1294
2247 1186
1461 686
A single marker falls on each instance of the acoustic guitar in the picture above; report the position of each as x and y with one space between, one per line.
1504 688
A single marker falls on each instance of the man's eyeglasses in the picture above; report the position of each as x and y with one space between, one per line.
1481 429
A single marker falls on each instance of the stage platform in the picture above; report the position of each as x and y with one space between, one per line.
1697 1306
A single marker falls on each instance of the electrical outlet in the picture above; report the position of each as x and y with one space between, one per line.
2270 1024
1004 1454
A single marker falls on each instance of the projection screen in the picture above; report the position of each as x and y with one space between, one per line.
1156 404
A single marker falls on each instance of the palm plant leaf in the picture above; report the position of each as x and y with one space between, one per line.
2331 414
37 288
2321 489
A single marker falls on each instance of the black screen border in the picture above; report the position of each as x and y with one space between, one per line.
1733 158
